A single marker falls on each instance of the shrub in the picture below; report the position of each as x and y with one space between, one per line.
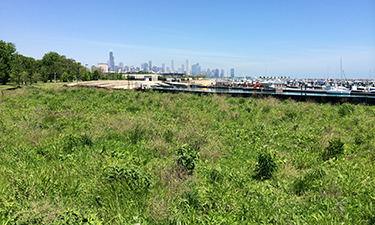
70 142
346 109
335 148
135 179
215 175
69 216
308 180
187 157
137 134
266 165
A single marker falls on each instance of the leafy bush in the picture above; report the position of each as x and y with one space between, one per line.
70 216
215 175
266 165
346 109
335 148
135 179
187 157
308 180
137 134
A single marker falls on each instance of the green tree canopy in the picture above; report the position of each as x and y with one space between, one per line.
7 51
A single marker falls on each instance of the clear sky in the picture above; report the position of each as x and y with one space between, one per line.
297 38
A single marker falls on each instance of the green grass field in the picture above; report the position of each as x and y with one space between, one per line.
77 155
47 85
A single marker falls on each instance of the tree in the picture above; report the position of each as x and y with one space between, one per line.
72 76
30 68
105 76
95 75
17 68
86 76
6 54
64 77
22 69
51 65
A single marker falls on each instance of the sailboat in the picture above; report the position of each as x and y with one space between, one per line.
341 90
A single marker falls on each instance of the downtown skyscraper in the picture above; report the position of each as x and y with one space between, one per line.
188 67
111 61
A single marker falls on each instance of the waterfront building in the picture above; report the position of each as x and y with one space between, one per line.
232 72
102 67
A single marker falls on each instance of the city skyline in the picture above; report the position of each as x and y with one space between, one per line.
293 38
193 70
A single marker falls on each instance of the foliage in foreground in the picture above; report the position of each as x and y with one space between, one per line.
123 157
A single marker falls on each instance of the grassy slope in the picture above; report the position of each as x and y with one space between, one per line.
71 155
38 85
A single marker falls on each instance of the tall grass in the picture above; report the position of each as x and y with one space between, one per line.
126 157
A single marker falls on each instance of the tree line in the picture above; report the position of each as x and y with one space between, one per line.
20 69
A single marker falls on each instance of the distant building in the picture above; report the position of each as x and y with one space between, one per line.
150 65
163 68
232 72
102 67
111 61
195 69
172 66
121 66
182 68
188 67
222 73
216 73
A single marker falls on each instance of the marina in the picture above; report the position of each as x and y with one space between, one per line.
325 91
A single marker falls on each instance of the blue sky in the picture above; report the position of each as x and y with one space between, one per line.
285 37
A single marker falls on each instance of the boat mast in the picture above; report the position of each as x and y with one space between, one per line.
341 67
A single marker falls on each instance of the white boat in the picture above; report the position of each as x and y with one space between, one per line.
338 90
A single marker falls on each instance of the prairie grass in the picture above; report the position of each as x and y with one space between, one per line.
77 155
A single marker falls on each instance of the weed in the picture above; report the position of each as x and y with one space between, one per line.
335 148
308 180
346 109
135 179
266 166
187 157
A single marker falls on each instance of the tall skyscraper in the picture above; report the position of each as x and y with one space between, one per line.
111 61
172 66
232 72
150 66
145 68
163 68
195 69
188 67
222 73
121 66
182 68
216 73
